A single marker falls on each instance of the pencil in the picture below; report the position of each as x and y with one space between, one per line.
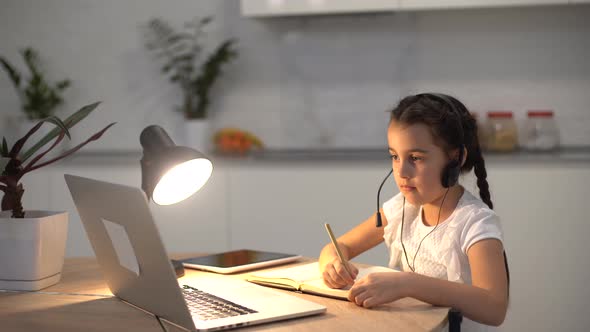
337 247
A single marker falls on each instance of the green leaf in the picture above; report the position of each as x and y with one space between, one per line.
3 163
69 122
58 123
94 137
206 20
12 72
4 148
31 59
167 67
61 85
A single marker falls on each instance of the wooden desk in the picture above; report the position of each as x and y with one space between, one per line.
83 302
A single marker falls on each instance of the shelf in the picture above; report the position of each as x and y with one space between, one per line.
566 154
577 154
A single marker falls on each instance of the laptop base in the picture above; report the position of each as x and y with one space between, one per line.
178 268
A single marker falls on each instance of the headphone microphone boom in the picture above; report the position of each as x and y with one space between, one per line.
379 223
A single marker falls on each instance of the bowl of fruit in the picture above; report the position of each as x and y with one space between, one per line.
235 141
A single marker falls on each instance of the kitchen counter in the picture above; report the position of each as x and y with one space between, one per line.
565 154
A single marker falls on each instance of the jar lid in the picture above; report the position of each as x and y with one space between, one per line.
540 113
499 114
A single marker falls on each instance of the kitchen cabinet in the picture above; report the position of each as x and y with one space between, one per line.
457 4
543 211
542 207
282 206
266 8
314 7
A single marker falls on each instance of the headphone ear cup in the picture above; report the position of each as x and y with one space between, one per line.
450 174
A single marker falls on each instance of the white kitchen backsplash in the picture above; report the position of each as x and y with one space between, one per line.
310 82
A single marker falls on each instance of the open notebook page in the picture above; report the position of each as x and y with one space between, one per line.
308 277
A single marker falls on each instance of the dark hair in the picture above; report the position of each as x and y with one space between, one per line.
452 127
450 130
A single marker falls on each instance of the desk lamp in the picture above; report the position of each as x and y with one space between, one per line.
170 173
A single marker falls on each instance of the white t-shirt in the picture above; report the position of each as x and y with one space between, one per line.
443 253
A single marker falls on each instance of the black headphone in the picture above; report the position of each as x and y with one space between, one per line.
451 171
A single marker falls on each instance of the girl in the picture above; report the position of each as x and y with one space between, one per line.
446 242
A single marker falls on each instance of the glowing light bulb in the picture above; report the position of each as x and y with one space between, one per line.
182 181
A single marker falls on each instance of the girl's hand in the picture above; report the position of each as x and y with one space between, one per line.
379 288
335 274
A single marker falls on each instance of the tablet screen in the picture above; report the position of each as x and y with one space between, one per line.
233 261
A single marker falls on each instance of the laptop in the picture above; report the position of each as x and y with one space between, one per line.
137 269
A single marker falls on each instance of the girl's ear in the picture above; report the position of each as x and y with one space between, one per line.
464 156
455 155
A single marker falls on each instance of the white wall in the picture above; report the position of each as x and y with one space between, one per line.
310 81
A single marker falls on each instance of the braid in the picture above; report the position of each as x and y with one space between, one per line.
423 108
479 168
476 161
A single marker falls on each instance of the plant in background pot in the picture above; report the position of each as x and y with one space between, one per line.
32 243
181 52
38 97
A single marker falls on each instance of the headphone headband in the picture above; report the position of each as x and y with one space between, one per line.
446 100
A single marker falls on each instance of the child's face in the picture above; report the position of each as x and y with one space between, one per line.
417 162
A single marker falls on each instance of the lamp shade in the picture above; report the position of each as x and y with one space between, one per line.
170 173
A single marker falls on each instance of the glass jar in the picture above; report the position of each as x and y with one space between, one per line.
482 131
540 131
502 133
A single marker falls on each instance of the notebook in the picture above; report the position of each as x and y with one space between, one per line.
306 278
137 269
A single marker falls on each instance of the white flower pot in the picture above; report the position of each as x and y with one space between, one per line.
32 249
197 134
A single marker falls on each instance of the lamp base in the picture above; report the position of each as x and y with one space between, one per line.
178 268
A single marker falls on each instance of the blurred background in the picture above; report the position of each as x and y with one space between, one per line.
312 82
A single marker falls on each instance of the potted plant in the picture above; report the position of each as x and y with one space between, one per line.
32 243
181 51
38 97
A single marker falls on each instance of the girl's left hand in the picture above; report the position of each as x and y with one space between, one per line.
378 288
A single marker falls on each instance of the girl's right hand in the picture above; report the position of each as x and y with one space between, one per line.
335 274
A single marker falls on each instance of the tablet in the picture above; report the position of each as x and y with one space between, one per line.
238 260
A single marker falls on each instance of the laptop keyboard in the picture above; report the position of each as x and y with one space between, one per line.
207 306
